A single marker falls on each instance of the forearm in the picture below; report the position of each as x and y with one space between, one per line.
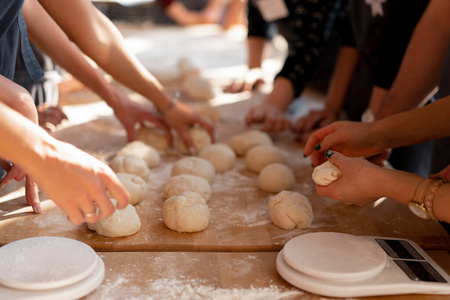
346 63
423 124
255 46
22 140
282 94
394 184
98 38
46 34
420 69
17 98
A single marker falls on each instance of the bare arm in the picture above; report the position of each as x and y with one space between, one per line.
98 38
421 65
346 63
46 34
73 179
367 139
362 182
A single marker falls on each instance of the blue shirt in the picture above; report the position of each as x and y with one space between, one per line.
13 31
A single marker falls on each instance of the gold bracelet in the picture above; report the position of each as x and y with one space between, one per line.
429 197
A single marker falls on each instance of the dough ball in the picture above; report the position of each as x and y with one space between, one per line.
200 137
135 185
244 141
200 88
131 164
221 156
290 209
210 113
275 178
260 156
123 222
326 173
186 213
188 67
195 166
153 137
179 184
144 151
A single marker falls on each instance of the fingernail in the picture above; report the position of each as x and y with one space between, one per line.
192 150
37 208
312 165
317 147
304 155
329 153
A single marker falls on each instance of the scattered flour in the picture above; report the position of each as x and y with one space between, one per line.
188 289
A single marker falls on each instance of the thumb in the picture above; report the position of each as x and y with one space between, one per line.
335 158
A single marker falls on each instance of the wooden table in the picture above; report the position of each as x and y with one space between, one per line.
236 253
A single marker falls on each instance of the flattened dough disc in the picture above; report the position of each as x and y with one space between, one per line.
42 263
335 256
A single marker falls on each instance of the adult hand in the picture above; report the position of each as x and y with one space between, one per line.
130 113
16 173
78 183
253 80
316 119
357 185
50 116
181 118
350 138
271 117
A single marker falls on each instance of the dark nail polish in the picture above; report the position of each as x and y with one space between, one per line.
317 147
304 155
312 165
329 153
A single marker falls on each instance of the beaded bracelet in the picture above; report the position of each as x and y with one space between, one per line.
429 197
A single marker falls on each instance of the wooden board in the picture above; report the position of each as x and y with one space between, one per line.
206 275
240 216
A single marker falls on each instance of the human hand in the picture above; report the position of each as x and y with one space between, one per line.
77 182
316 119
445 174
130 113
31 190
50 116
181 118
271 117
357 185
252 81
349 138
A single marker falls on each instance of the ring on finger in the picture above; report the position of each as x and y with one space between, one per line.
92 214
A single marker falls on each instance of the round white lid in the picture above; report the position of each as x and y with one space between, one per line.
42 263
335 256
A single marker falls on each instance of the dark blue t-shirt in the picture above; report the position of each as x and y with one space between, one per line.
13 31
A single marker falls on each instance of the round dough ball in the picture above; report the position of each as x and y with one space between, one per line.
186 213
200 137
195 166
131 164
123 222
275 178
153 137
289 210
221 156
144 151
244 141
200 88
326 173
179 184
263 155
135 185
